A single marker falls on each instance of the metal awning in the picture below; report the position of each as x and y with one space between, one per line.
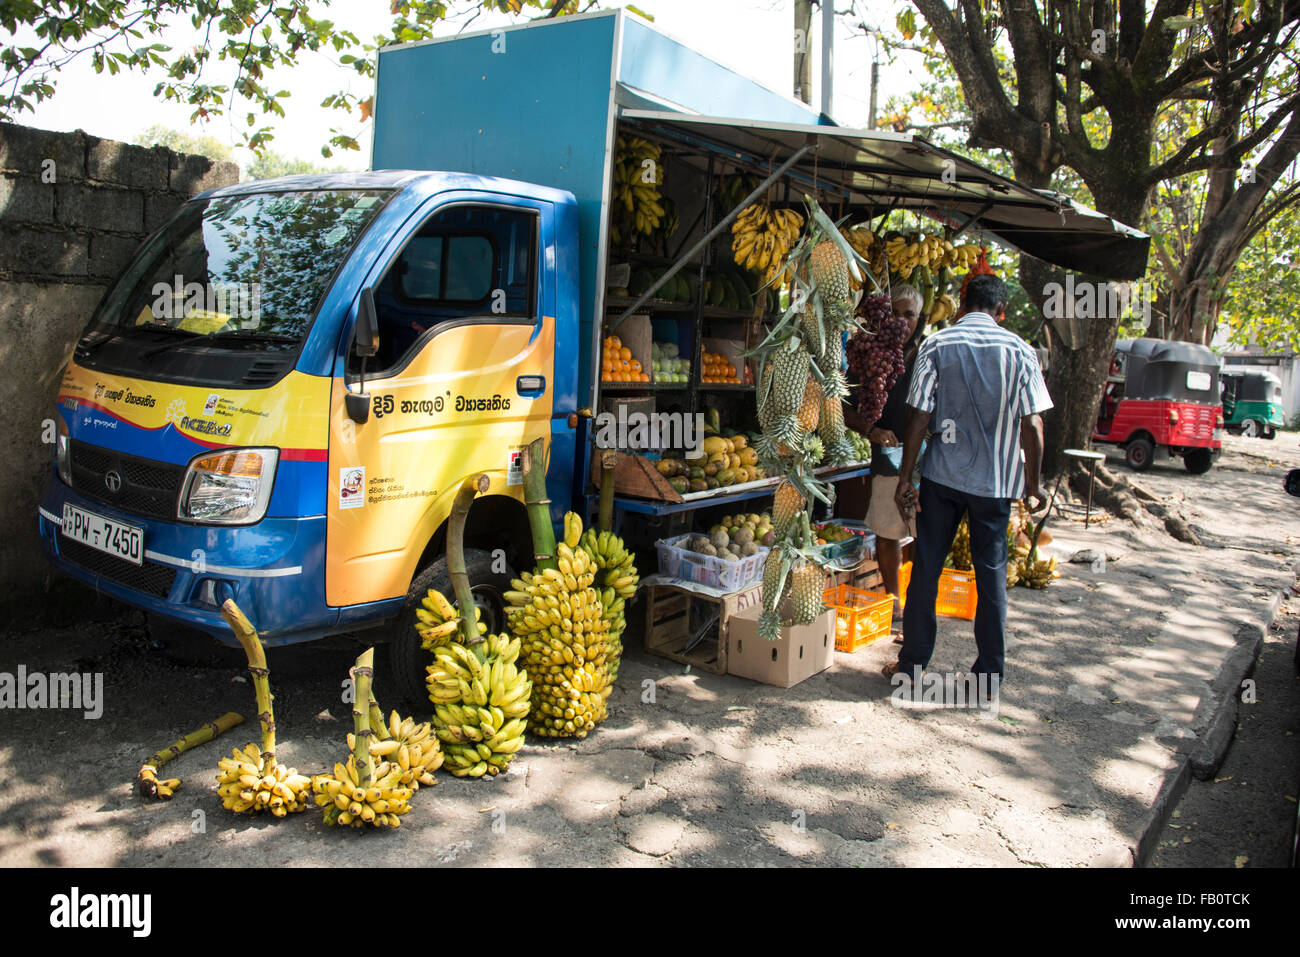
881 169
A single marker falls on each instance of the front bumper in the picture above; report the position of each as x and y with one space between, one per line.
274 570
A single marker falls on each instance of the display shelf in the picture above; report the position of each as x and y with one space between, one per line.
732 493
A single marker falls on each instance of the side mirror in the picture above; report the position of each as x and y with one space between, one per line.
366 337
357 406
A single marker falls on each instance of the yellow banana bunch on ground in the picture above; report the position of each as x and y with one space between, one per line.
250 782
905 255
1037 573
347 802
564 623
481 699
411 746
761 239
637 178
616 571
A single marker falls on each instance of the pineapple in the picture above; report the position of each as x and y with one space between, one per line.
789 378
831 427
810 409
830 271
787 504
769 622
808 582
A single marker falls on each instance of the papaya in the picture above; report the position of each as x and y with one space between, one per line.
726 477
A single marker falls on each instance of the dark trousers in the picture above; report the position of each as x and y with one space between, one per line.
936 525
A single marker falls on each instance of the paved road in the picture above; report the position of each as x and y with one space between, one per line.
1110 685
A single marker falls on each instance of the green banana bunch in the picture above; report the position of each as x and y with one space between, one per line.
346 802
251 782
481 699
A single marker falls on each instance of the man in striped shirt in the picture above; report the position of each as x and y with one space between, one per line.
977 392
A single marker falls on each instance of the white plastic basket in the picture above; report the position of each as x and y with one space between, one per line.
676 561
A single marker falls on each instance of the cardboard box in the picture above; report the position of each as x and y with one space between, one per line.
801 652
675 616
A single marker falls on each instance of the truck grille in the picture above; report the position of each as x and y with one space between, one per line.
146 487
150 578
1196 422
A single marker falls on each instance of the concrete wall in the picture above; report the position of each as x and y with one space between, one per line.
73 209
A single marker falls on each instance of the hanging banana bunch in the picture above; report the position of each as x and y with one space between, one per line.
871 248
637 178
762 239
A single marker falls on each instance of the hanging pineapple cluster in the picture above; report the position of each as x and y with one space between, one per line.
801 385
565 624
480 695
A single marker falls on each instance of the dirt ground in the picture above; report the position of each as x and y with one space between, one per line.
1115 677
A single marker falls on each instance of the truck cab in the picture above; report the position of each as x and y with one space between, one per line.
221 435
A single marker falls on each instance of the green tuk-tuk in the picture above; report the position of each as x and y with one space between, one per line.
1252 403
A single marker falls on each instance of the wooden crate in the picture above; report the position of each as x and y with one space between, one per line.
674 616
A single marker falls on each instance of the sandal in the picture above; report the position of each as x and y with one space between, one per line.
890 670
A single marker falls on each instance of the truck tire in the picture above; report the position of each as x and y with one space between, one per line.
1270 432
1198 461
404 658
1138 454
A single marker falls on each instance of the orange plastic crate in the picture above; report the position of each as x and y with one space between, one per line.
861 616
956 594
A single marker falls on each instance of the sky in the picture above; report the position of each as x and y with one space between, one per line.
753 38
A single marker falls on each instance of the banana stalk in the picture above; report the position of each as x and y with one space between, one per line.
361 701
147 779
608 459
533 462
246 634
456 557
377 722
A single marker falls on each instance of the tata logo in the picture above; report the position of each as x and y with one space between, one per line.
113 480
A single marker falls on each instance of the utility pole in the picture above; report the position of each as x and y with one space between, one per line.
875 82
802 63
828 49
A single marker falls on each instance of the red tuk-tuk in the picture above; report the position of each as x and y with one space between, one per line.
1162 395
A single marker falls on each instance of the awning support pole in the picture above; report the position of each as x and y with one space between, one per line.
708 237
970 222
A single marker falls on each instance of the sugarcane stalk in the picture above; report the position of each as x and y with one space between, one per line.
608 459
377 722
361 699
246 634
147 779
460 586
533 462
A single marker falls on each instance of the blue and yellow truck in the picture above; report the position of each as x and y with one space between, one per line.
278 399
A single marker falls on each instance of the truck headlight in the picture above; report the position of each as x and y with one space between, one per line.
63 451
232 487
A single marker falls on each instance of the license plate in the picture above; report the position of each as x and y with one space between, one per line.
114 538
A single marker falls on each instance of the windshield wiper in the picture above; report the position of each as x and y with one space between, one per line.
185 338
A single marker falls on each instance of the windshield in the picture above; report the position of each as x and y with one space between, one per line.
244 269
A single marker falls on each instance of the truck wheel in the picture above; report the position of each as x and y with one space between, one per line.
1270 432
1198 461
1250 428
1138 454
405 658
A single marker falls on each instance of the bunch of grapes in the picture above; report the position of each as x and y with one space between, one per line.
876 355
